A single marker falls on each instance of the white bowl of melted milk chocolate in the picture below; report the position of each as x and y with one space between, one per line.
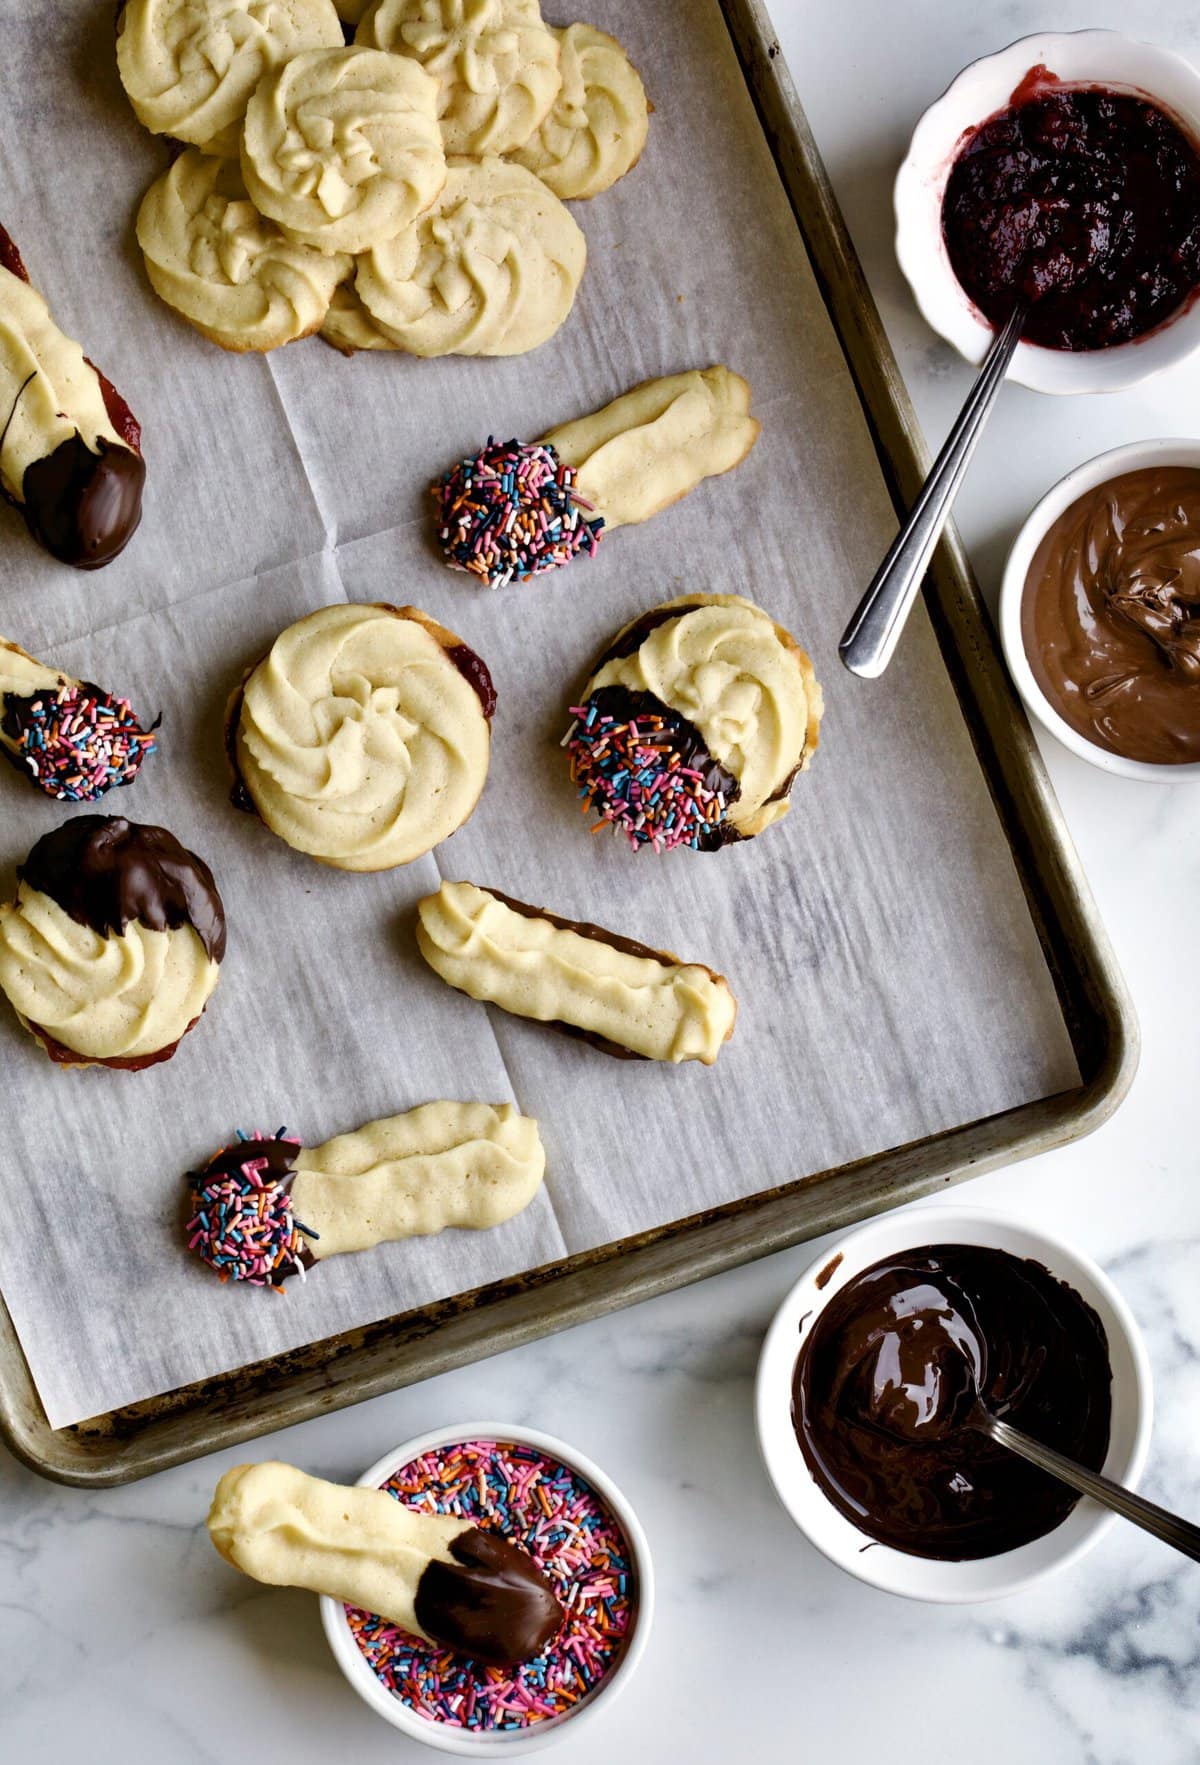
1100 611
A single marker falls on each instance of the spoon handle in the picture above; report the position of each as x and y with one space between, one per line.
874 631
1169 1527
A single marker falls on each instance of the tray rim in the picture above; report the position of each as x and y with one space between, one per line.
192 1421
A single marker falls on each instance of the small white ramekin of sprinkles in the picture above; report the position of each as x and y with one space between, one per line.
584 1535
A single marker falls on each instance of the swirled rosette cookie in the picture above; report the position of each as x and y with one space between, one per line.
694 724
363 735
491 269
265 1208
516 509
349 327
112 947
342 147
70 447
69 738
233 275
623 997
596 128
189 66
495 61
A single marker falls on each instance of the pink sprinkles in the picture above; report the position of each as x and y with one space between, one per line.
512 511
636 773
242 1224
541 1504
77 742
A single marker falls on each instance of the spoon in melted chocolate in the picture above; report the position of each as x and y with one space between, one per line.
924 1383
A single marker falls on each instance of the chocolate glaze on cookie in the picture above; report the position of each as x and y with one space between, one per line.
492 1602
105 871
476 673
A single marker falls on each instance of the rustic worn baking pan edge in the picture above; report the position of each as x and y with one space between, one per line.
342 1370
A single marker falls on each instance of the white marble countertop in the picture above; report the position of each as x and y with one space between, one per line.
124 1638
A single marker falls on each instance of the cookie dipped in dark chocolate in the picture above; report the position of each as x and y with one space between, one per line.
84 506
492 1602
892 1369
104 871
603 771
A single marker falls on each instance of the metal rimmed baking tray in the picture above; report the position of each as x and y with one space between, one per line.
272 1393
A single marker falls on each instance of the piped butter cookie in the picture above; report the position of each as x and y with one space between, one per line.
363 736
694 725
189 66
596 128
342 147
112 947
70 447
623 997
495 61
69 738
515 509
229 272
492 268
265 1207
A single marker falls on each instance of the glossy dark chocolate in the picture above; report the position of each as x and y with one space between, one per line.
892 1369
1110 617
1084 200
105 871
492 1603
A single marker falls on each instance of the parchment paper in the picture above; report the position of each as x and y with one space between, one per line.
890 981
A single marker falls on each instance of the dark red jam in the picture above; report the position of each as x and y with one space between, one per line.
1087 202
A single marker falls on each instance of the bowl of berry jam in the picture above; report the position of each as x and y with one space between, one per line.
581 1531
1063 171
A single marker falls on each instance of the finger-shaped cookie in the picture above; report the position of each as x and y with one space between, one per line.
363 735
264 1208
491 269
619 995
112 947
69 738
342 147
495 61
189 66
619 465
70 447
596 128
437 1576
694 724
228 271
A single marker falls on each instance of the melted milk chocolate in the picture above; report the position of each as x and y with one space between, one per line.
890 1372
1111 615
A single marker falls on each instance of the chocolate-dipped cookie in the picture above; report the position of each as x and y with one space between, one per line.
70 447
265 1207
363 736
112 947
694 724
69 738
623 997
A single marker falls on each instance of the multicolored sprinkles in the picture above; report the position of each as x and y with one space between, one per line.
512 511
636 768
78 741
541 1504
242 1224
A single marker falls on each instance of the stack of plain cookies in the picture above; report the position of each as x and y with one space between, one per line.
405 191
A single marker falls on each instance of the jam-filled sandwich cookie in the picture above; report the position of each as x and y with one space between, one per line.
363 736
514 509
231 273
70 738
491 268
341 147
694 725
189 66
265 1208
440 1577
495 62
70 447
597 126
623 997
112 947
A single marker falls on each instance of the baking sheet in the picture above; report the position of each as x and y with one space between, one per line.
890 980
